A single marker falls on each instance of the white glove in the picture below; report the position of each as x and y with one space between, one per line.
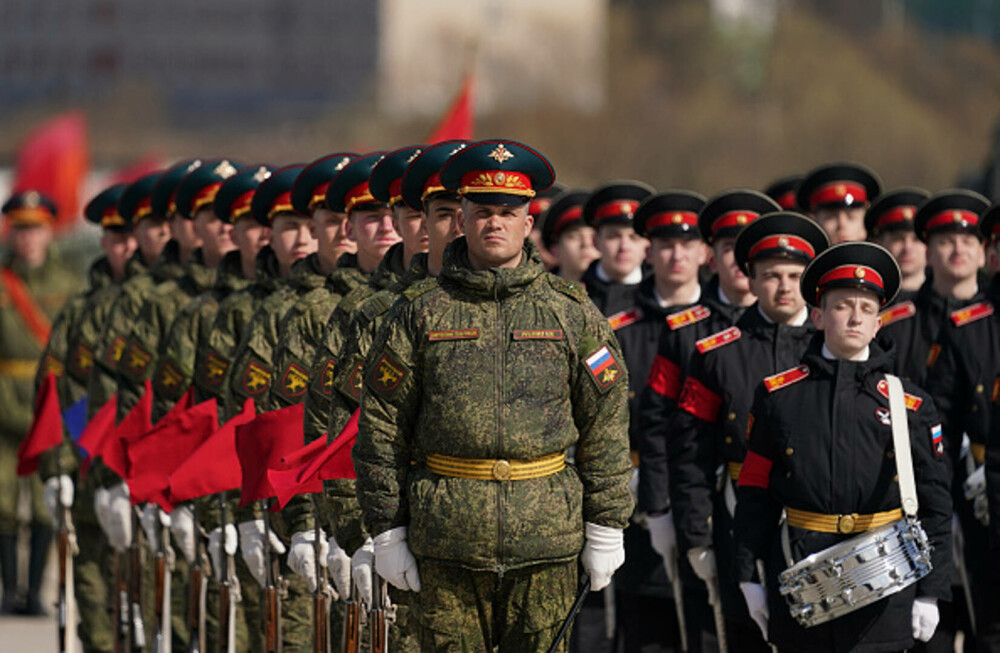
119 518
925 618
101 500
216 546
302 555
182 528
58 494
756 598
393 560
339 564
663 538
361 570
975 491
702 560
603 553
252 548
148 519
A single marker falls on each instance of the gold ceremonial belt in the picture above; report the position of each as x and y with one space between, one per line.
490 469
843 524
19 368
734 470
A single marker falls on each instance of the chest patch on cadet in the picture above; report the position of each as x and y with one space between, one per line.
83 360
453 334
215 367
900 311
352 384
168 381
115 351
538 334
964 316
622 319
387 375
883 416
714 341
256 378
786 378
690 316
136 359
937 440
294 381
327 375
603 367
912 401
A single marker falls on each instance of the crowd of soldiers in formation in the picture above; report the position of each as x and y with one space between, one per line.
521 451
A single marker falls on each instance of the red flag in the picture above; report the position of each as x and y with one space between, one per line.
46 429
459 121
214 466
53 159
136 423
133 171
260 446
155 455
184 404
95 435
304 471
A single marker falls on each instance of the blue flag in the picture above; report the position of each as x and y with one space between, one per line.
75 418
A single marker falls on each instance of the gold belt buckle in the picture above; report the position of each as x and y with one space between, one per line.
501 470
845 524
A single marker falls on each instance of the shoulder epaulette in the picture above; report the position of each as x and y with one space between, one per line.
786 378
419 288
913 402
716 340
573 289
378 303
696 313
963 316
624 318
900 311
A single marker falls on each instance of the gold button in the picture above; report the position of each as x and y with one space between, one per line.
729 440
631 394
979 388
975 408
501 470
889 454
789 451
845 524
732 416
788 474
895 479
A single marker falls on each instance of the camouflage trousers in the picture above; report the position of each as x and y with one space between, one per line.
92 569
11 489
470 611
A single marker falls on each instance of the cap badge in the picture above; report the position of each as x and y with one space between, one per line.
741 219
261 174
625 208
499 178
194 164
500 154
859 273
413 156
908 213
782 241
32 199
956 216
225 170
677 218
343 162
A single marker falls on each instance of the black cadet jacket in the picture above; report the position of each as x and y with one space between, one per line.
820 440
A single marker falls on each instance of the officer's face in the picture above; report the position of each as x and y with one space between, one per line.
676 261
731 278
849 320
621 248
151 235
410 226
442 227
495 234
372 230
954 256
908 250
118 247
249 236
30 243
842 224
330 231
291 240
182 230
215 235
776 285
575 251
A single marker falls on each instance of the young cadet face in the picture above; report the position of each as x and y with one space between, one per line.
731 278
993 256
372 230
330 231
843 223
575 250
118 247
216 236
848 318
30 243
291 239
676 260
442 220
954 256
151 234
495 234
909 251
182 230
621 248
250 236
410 226
775 283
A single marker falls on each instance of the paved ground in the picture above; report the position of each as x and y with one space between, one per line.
37 635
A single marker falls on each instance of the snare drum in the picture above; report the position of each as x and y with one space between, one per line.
856 572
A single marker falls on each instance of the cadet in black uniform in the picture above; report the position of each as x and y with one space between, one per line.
567 237
782 191
889 223
837 195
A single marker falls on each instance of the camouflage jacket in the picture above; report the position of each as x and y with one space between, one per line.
511 364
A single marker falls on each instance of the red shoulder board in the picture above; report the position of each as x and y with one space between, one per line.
625 318
714 341
900 311
963 316
690 316
788 377
912 401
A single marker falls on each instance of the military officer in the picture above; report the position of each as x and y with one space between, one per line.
567 236
821 448
483 378
889 223
837 195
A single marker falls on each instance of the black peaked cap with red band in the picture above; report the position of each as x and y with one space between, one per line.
350 189
837 185
274 195
864 266
199 187
29 207
136 201
989 224
309 190
565 211
543 200
894 210
669 214
386 180
162 197
950 211
422 179
615 202
725 215
782 234
498 172
235 196
102 209
782 191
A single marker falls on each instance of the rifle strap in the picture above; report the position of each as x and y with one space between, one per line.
30 313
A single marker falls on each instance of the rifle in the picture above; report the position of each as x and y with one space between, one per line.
135 587
715 600
162 639
353 617
672 563
197 589
119 605
581 595
381 615
67 598
228 592
321 608
272 593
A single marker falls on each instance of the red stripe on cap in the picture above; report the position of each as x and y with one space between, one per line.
733 219
959 217
671 218
853 272
318 195
396 191
615 208
538 205
786 200
142 208
205 196
241 206
567 216
756 471
280 204
837 191
782 241
507 182
432 185
895 215
360 194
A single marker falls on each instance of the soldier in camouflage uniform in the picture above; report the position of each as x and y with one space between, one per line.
34 286
475 387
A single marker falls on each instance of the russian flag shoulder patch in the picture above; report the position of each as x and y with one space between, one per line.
603 367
